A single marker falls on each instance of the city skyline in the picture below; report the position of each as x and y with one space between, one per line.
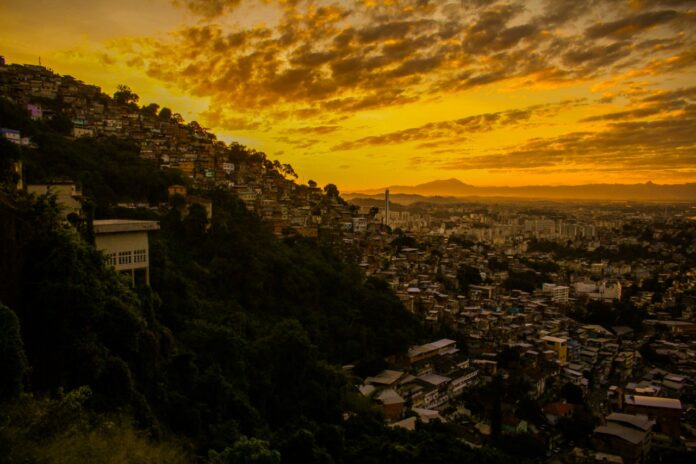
369 94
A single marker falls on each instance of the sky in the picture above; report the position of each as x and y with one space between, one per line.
371 93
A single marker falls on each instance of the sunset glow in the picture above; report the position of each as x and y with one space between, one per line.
365 94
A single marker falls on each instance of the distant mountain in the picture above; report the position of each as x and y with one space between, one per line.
448 187
629 192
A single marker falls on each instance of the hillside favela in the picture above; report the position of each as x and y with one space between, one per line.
348 231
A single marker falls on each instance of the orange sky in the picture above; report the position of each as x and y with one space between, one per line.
372 93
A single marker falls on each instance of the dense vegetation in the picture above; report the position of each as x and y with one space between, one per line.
232 354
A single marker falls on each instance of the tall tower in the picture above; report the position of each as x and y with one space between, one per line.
386 207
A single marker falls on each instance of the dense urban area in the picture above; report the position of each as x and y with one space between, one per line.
256 319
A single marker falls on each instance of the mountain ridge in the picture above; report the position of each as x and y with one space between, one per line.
453 187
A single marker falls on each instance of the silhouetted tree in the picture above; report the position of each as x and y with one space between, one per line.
125 95
246 451
13 363
331 191
165 113
150 109
572 393
466 276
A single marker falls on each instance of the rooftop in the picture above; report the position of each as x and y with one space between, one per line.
634 420
434 379
115 226
549 338
653 402
390 397
625 433
386 377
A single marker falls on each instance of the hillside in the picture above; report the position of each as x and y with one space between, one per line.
152 138
232 355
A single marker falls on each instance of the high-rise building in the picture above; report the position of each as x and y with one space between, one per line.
386 207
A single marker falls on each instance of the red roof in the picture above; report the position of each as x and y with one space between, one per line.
559 409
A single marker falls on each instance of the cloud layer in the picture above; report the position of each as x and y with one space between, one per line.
353 56
314 66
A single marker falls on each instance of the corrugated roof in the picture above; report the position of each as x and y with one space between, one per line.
112 226
390 397
653 402
635 420
386 377
434 379
629 434
549 338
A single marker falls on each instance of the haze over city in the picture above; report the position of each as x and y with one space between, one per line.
367 94
348 232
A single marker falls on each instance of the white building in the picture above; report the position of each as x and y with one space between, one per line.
68 195
558 293
125 244
604 290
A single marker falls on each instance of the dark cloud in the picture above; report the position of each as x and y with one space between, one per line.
557 12
628 142
441 133
631 25
314 130
346 57
208 8
655 104
302 143
623 115
597 56
216 118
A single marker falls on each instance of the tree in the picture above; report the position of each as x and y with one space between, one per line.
61 123
331 191
196 127
508 357
13 362
496 392
196 222
288 171
572 393
466 276
577 427
525 281
523 445
312 184
246 451
165 113
125 95
150 109
9 153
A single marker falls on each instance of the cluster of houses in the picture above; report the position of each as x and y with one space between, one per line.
431 378
640 413
639 405
266 187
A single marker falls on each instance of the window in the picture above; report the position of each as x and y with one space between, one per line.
124 257
111 259
140 256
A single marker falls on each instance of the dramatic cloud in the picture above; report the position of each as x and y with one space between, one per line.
502 89
351 57
631 25
659 135
440 133
208 8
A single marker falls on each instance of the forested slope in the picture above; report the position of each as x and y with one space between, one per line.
232 355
